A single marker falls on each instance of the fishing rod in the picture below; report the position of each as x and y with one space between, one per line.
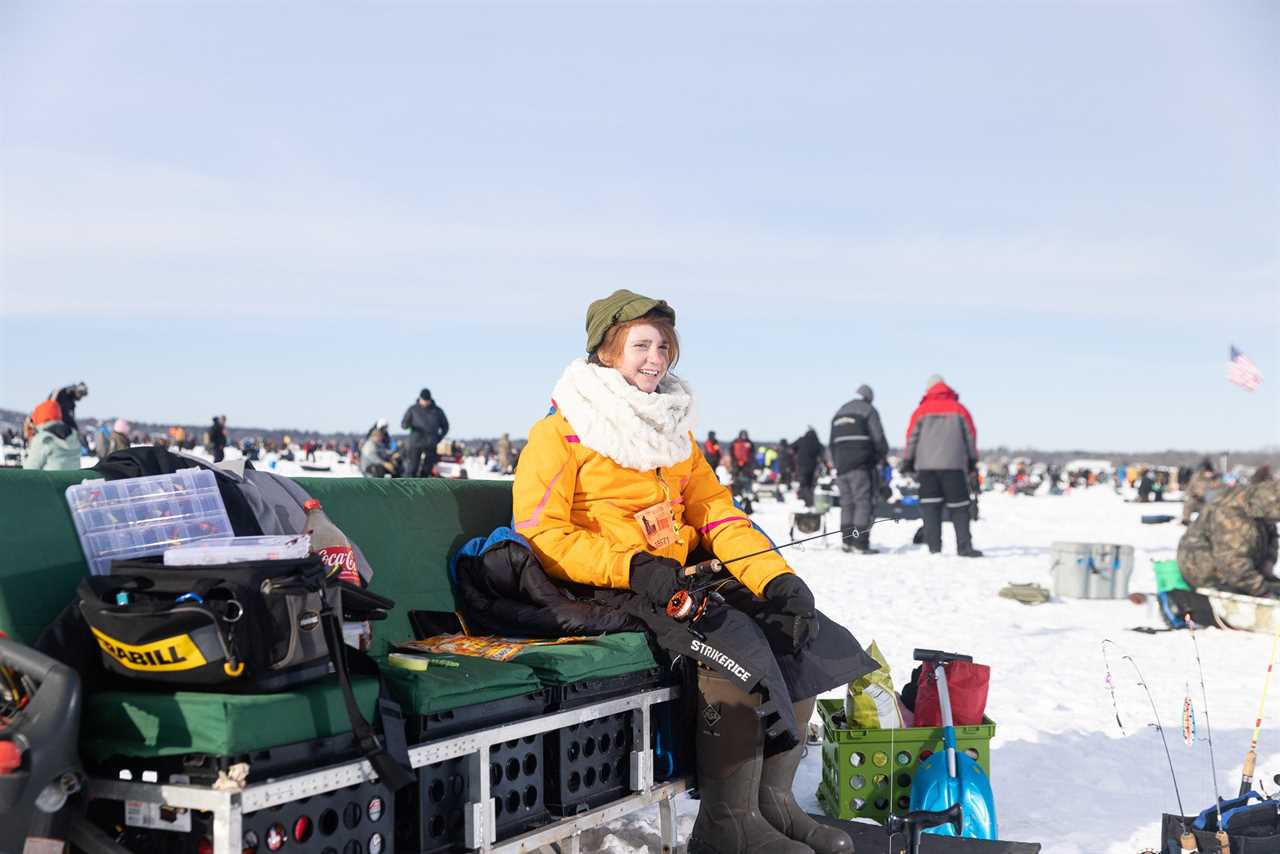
856 533
1168 756
1208 728
1246 777
1111 685
682 604
1187 840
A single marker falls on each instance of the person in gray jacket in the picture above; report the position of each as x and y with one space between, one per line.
376 459
857 447
942 448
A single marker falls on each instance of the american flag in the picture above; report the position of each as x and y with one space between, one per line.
1242 371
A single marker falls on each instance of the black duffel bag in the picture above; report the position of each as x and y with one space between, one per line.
255 627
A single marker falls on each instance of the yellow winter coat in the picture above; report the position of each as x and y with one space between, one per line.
577 508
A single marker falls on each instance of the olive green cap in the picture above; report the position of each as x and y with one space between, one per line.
619 307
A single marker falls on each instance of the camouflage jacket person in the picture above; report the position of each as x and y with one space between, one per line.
1202 483
1232 545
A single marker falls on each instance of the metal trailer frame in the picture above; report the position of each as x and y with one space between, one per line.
229 807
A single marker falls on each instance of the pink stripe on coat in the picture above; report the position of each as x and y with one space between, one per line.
536 516
711 526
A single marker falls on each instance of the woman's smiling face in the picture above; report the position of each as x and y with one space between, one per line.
645 357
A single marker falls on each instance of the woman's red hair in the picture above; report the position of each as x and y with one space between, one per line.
611 347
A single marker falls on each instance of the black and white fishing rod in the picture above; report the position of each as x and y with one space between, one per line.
682 605
713 565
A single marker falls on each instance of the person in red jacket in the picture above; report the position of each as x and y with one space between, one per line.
711 450
743 451
942 448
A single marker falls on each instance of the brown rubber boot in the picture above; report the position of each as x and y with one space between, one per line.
778 803
729 743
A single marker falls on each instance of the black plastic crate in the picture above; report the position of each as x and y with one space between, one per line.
606 687
359 819
436 801
438 798
203 768
439 725
589 764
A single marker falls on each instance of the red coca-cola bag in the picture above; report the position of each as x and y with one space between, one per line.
967 685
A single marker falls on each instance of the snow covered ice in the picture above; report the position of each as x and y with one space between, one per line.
1063 774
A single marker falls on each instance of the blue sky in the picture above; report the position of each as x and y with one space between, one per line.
299 214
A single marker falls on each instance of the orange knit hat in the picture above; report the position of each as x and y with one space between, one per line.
46 411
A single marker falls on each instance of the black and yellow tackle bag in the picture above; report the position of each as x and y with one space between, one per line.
253 627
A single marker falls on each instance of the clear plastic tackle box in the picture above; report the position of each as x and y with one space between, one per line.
139 516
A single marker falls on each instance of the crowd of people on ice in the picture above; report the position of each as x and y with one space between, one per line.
1229 543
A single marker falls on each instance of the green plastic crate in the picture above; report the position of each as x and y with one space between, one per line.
867 773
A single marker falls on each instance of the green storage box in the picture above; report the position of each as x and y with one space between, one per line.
867 773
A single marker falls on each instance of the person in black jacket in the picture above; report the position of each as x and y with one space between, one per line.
786 464
218 437
67 397
808 451
427 425
858 447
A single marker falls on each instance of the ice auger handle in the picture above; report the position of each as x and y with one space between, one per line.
939 656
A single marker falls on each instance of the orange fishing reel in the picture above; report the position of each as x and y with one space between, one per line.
689 605
683 606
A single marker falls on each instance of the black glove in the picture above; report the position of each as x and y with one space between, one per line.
908 467
655 578
792 621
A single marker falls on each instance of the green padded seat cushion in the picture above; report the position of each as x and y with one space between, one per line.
146 724
607 655
407 528
43 561
441 689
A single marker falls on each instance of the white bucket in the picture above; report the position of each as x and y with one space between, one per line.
1091 570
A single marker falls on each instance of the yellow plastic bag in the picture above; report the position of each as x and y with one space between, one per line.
871 702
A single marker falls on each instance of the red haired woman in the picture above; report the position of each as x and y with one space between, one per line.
613 493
